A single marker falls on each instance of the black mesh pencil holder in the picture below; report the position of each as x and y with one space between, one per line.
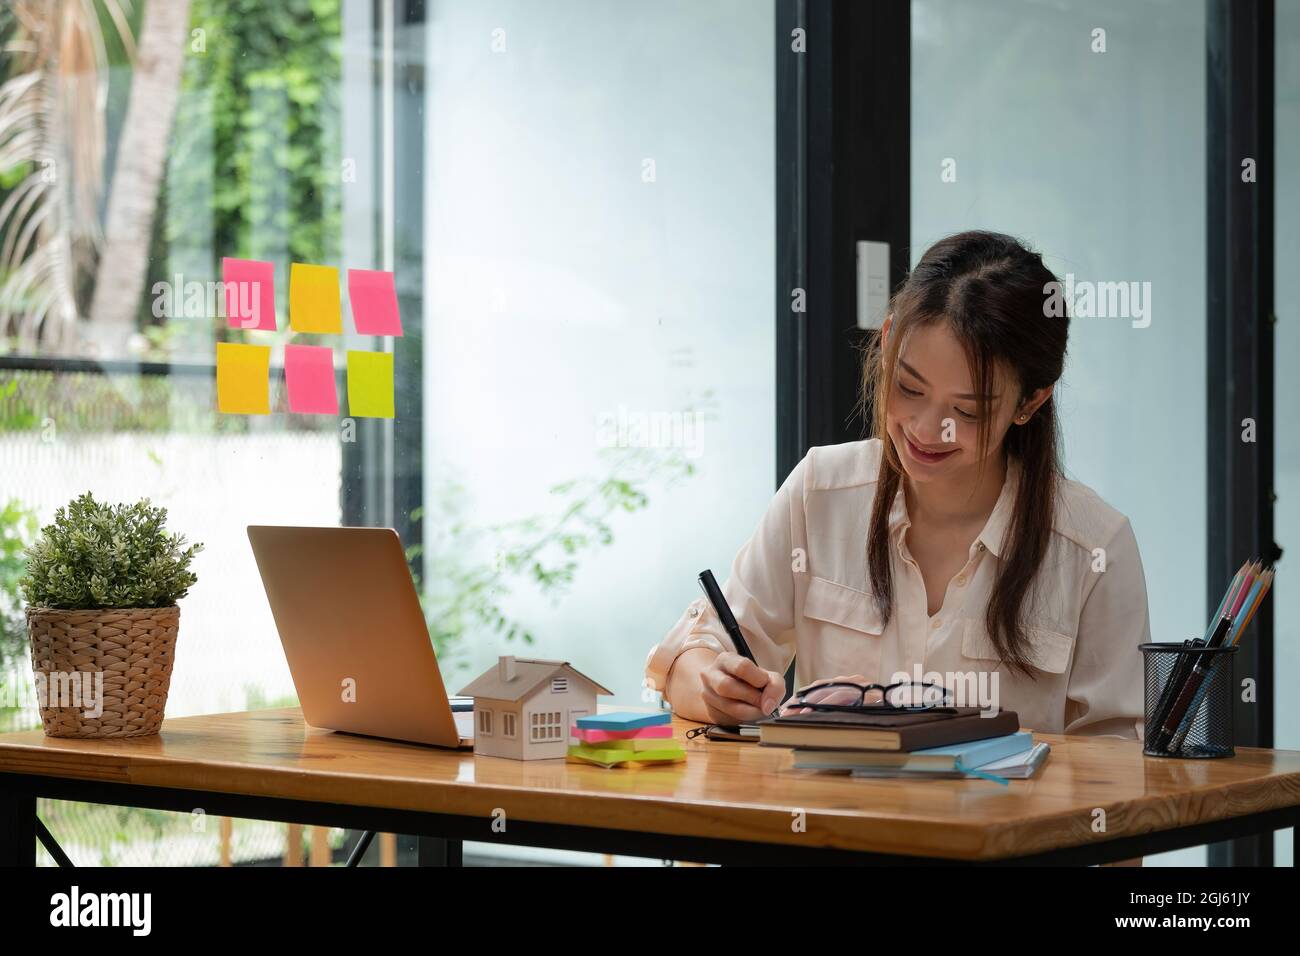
1189 693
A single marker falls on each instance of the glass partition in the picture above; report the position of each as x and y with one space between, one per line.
1080 127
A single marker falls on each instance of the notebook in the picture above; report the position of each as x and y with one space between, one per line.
1019 766
882 731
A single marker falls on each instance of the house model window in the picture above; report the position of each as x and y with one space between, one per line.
485 722
546 725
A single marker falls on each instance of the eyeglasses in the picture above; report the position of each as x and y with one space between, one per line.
842 696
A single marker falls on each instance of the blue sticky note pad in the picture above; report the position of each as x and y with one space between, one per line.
623 720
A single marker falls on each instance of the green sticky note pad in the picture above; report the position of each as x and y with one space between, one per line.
243 383
370 384
314 301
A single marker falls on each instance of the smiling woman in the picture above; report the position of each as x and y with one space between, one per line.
948 543
973 316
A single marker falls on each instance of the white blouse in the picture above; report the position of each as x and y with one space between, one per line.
799 588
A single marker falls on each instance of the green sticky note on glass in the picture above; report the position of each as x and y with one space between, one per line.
314 301
370 384
243 382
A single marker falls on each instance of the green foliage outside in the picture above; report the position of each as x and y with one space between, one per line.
99 555
256 158
17 530
102 835
93 403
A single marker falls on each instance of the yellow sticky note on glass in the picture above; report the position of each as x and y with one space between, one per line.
314 302
370 384
243 379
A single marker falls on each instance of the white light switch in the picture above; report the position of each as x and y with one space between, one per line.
873 283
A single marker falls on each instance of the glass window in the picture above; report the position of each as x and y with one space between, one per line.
583 250
257 143
1098 160
599 343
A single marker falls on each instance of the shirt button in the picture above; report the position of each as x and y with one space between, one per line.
695 612
935 624
961 580
981 546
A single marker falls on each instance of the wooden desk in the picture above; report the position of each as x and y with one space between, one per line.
732 803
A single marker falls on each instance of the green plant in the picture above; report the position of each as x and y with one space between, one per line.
99 555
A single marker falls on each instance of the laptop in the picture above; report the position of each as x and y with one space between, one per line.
355 636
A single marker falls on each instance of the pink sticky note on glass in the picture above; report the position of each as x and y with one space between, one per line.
250 294
309 376
374 302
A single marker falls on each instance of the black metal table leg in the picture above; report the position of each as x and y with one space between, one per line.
17 827
359 851
52 846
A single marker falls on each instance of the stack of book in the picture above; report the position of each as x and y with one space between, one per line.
916 744
625 739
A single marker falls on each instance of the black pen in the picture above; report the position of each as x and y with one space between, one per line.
1194 675
709 585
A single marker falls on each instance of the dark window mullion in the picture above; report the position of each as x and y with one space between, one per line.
1239 353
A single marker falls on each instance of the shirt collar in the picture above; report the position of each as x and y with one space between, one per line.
995 528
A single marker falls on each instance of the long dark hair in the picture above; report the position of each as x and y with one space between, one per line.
994 294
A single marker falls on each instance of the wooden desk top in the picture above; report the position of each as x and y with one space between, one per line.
723 790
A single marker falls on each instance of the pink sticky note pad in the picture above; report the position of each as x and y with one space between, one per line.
309 376
250 294
374 302
595 736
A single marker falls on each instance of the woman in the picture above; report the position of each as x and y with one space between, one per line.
948 546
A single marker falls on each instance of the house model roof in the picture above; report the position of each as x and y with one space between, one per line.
514 678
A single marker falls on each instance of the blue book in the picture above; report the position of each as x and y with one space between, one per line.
974 753
623 720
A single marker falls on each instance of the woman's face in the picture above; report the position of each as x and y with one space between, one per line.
932 411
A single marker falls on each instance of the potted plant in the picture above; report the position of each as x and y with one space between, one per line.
101 589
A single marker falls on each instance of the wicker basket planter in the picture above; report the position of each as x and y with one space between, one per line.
133 648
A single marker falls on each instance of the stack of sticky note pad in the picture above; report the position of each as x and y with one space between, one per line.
625 738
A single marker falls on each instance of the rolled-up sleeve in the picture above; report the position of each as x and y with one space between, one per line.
1105 695
760 590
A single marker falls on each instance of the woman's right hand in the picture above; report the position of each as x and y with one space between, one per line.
735 690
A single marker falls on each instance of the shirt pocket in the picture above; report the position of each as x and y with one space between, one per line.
1048 650
847 633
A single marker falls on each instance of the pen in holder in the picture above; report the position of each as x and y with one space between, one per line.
1188 710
